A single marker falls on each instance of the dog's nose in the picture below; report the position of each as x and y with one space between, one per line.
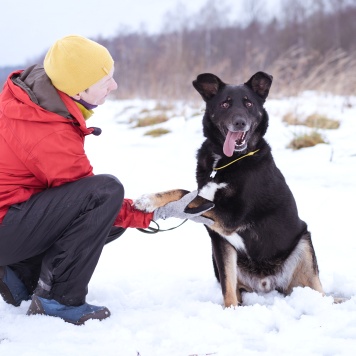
239 124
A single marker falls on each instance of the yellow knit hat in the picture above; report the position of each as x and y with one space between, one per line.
74 63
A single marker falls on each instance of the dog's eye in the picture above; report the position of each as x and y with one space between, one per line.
248 104
227 103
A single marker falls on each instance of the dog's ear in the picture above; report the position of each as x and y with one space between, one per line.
208 85
260 83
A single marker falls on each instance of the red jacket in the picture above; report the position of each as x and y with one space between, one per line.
42 133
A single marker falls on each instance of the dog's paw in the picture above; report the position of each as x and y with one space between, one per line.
145 203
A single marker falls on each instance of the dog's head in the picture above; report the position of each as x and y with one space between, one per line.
235 119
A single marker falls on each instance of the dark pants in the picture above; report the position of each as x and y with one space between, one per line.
56 237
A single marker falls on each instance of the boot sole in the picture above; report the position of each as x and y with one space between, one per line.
37 309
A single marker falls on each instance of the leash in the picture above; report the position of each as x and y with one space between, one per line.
154 230
215 170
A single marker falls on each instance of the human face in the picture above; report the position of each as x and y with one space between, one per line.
97 93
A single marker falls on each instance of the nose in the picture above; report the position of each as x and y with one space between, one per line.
239 124
113 85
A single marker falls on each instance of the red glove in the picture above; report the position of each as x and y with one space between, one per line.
130 217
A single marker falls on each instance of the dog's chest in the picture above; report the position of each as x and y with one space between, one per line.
216 169
209 190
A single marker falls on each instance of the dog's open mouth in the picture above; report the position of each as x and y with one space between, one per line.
234 141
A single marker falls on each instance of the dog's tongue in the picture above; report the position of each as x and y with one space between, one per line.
229 144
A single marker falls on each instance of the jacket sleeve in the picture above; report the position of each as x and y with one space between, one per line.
130 217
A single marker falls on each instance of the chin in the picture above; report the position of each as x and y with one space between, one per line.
102 101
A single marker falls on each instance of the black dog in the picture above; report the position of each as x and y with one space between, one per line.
259 243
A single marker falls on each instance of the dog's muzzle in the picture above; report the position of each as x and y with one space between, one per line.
234 141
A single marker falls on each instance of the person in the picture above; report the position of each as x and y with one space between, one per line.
55 213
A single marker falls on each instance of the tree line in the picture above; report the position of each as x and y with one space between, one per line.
306 45
311 45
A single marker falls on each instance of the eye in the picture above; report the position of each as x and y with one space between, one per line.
226 104
248 104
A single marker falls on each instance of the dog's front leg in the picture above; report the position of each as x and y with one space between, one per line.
225 256
150 202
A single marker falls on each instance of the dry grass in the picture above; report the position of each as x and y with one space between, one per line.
164 106
321 122
306 140
317 121
332 72
296 70
291 119
160 106
157 132
151 120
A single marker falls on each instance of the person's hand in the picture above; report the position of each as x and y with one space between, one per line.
176 209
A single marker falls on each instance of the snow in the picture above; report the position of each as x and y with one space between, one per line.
161 288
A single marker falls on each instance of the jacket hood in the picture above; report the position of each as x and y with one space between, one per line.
40 100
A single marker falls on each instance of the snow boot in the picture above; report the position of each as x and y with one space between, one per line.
12 289
77 315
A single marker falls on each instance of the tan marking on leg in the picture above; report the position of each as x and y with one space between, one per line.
150 202
168 196
305 274
232 295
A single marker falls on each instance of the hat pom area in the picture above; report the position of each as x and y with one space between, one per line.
74 63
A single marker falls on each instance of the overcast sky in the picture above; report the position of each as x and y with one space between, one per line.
29 27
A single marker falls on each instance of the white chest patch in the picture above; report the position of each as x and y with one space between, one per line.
209 190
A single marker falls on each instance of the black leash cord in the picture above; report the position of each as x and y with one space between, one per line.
154 230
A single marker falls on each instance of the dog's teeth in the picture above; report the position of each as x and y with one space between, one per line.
241 141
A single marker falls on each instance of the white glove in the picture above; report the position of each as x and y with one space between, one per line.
176 209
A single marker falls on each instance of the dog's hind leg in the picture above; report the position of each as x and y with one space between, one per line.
225 267
306 272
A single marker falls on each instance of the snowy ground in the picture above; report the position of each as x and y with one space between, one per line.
161 289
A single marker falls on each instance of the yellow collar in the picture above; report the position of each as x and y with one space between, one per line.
212 175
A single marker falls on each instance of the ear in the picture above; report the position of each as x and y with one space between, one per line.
208 85
260 83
